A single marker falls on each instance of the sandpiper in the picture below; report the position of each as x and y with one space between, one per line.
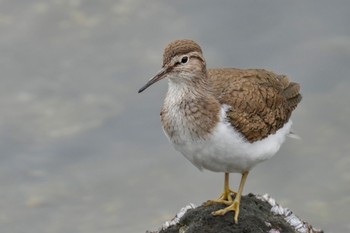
223 120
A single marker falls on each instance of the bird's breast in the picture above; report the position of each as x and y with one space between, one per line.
223 149
189 119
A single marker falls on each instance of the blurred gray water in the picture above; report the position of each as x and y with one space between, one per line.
81 151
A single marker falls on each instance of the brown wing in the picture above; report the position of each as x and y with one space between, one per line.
261 101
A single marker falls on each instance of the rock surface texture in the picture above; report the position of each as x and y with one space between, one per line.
257 214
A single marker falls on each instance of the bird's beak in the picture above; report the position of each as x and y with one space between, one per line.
159 76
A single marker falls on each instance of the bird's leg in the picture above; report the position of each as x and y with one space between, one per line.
236 202
225 197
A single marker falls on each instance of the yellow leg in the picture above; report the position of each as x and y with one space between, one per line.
234 205
225 197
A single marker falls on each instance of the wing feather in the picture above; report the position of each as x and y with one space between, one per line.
261 101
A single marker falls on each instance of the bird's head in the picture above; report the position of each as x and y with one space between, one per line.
182 61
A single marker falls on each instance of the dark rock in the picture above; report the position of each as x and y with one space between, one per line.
257 214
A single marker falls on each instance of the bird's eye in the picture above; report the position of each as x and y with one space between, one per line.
184 59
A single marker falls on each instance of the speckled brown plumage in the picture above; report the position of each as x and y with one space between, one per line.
179 47
214 117
200 116
261 101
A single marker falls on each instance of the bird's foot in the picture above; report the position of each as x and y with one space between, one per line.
234 206
225 198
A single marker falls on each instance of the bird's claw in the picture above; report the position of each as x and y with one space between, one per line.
234 206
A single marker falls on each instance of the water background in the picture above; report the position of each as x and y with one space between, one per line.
81 151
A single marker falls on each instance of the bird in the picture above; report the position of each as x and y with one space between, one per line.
223 120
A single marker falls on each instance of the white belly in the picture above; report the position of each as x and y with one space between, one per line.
226 151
